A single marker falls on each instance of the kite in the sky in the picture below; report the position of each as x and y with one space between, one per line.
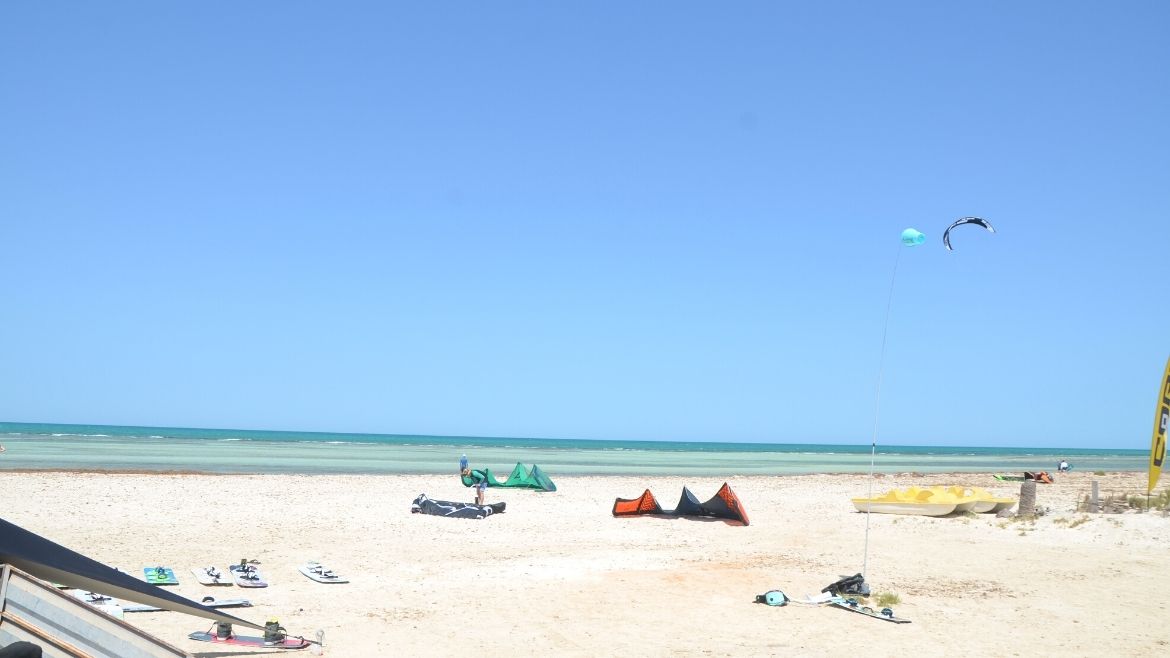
966 220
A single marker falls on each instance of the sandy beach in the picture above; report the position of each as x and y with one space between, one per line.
556 574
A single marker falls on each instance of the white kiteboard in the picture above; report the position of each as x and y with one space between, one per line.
207 601
106 604
247 576
211 576
318 572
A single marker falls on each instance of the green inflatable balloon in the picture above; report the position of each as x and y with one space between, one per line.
912 238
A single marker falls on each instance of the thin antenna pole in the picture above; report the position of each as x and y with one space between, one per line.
877 405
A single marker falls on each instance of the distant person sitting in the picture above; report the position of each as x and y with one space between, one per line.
1064 467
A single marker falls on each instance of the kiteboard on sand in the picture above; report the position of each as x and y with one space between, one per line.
316 571
106 604
273 638
852 605
160 576
247 575
211 576
251 640
1039 476
207 601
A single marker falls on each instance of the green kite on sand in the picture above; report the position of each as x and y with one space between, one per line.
521 478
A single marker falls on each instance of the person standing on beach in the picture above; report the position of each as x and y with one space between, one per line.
480 491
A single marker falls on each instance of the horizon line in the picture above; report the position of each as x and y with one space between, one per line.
537 438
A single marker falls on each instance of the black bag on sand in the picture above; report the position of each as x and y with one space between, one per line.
854 584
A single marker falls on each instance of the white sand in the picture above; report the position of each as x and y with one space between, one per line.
557 574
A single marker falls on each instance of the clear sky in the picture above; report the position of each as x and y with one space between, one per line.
611 220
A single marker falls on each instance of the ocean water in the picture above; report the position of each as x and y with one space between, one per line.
44 446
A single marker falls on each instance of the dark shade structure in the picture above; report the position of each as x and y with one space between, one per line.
52 562
424 505
723 505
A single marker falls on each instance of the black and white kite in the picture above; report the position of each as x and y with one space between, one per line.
966 220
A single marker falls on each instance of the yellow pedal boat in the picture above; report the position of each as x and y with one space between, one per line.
985 501
934 501
922 502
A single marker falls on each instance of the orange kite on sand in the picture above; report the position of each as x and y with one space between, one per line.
724 505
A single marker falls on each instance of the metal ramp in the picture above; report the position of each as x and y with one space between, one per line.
64 627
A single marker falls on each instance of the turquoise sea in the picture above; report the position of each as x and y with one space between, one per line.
45 446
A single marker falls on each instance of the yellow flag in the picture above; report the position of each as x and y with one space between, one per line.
1161 424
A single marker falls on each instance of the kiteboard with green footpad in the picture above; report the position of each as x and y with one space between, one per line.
885 614
160 576
1039 476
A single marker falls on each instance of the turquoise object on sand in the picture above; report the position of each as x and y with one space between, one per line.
912 238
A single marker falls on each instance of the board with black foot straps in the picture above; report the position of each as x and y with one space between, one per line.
211 576
160 576
885 614
318 572
275 637
107 604
246 575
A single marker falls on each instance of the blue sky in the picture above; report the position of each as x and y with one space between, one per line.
613 220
